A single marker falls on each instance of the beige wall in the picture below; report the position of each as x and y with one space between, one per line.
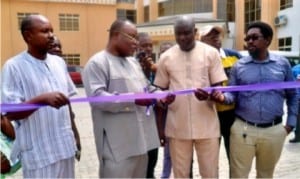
153 8
215 8
239 23
94 21
140 11
269 9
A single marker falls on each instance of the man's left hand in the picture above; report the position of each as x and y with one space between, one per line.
201 94
288 129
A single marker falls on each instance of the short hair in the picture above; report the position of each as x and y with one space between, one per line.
26 24
143 35
265 29
116 26
185 21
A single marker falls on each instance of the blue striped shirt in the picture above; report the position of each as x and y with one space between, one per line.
45 137
263 106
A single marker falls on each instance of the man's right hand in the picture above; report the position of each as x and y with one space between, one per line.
170 98
217 96
145 102
55 99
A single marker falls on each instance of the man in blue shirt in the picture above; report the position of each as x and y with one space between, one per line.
257 131
296 73
44 140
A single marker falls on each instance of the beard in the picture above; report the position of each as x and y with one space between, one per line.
254 53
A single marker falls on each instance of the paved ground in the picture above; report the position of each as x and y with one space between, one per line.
288 166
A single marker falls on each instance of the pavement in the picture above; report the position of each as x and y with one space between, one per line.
287 167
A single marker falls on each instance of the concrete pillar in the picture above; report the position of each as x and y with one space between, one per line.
153 10
140 11
239 23
270 9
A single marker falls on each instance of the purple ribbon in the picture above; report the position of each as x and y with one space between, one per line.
130 97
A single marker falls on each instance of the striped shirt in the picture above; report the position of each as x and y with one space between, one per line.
263 106
45 137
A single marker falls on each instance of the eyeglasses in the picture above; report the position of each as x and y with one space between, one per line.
253 37
130 37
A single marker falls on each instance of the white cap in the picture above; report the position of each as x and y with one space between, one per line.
207 29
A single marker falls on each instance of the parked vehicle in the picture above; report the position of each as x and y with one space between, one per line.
292 56
75 74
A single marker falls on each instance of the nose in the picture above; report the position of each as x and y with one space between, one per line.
51 34
135 41
250 40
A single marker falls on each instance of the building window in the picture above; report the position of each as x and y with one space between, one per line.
175 7
126 15
285 44
126 1
72 59
69 22
226 10
146 14
252 12
22 15
230 10
286 4
201 6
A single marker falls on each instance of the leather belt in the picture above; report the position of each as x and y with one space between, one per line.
276 121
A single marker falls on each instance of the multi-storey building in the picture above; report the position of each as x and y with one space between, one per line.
237 15
82 24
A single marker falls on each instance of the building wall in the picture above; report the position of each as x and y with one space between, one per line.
291 28
94 21
140 11
269 8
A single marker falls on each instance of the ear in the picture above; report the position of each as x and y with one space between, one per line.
27 35
268 41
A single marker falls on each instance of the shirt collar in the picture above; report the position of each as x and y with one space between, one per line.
222 53
249 59
34 60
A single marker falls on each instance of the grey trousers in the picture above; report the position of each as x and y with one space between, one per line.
132 167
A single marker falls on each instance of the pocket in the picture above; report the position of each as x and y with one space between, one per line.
23 139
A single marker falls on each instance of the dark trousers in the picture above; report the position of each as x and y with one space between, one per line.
226 120
297 130
152 159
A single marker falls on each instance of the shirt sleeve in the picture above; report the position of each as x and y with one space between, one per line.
161 77
291 99
12 91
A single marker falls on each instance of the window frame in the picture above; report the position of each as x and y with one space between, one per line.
72 59
284 4
68 22
285 43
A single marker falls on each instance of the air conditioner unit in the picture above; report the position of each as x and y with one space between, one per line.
280 20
